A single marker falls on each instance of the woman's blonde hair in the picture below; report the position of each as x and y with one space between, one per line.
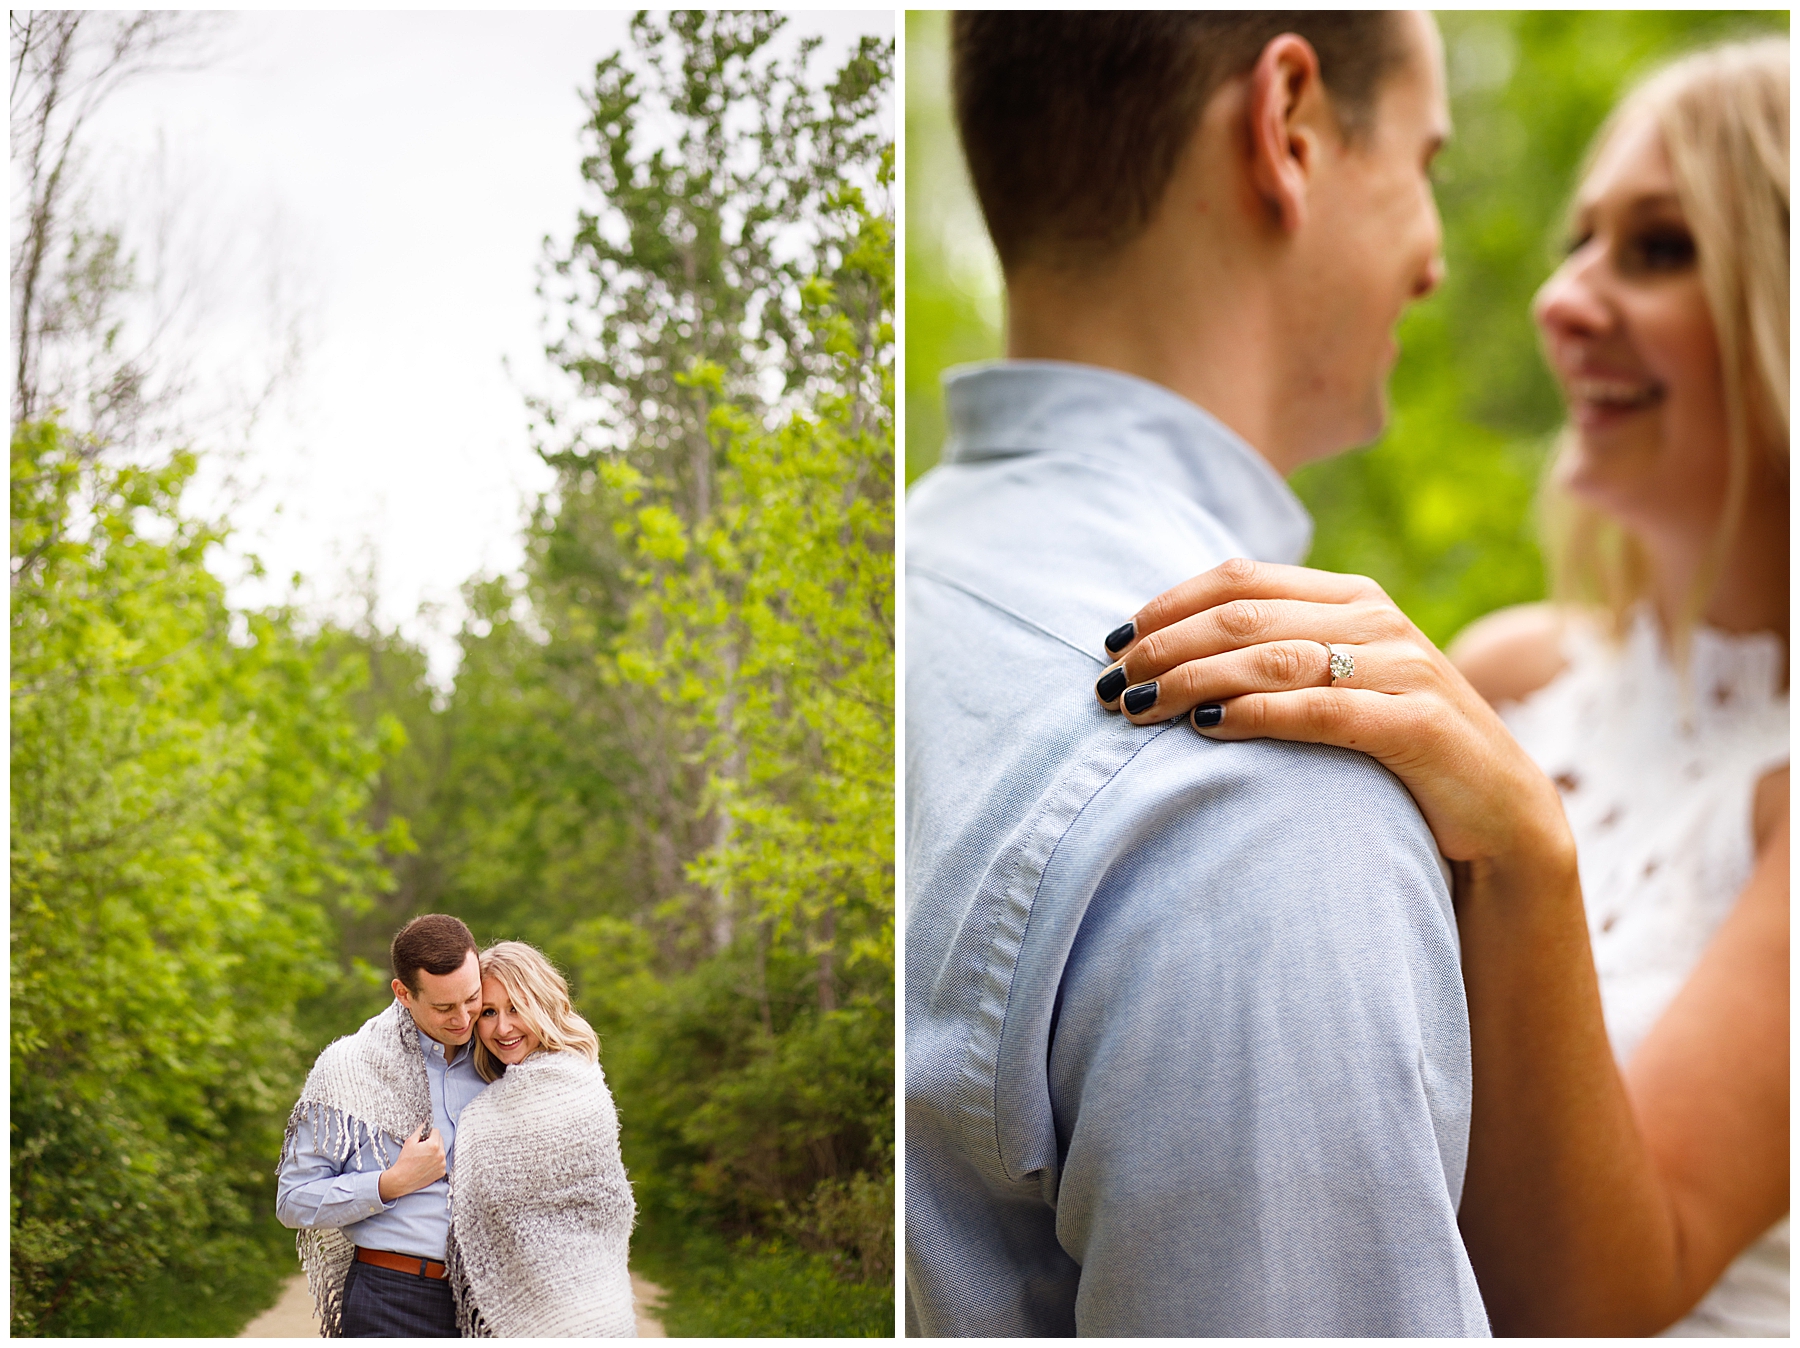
541 999
1723 113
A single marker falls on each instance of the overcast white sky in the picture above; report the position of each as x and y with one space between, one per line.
400 171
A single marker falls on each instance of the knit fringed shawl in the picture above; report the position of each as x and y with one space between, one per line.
541 1223
366 1087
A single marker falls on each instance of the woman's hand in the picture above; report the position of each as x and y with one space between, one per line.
1243 649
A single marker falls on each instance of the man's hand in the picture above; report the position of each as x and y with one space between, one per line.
421 1162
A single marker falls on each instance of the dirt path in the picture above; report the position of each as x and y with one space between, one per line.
646 1300
292 1316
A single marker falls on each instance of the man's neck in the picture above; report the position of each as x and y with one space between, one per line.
1217 360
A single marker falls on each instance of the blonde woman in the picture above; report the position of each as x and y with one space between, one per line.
541 1211
1620 854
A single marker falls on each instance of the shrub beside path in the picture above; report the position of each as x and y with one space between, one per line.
291 1317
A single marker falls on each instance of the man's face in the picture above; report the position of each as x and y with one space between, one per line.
445 1006
1370 246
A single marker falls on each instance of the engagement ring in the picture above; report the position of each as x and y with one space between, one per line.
1341 662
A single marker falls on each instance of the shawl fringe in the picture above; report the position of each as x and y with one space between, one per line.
470 1323
365 1089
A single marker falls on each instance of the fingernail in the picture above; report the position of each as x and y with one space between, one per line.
1120 637
1208 715
1111 684
1141 698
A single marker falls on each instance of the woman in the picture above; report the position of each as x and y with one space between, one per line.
540 1209
1614 1187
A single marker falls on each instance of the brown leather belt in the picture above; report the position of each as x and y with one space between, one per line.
402 1263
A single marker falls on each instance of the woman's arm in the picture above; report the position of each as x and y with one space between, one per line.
1605 1204
1596 1202
1710 1081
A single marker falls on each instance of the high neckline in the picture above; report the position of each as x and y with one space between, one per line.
1011 408
1727 675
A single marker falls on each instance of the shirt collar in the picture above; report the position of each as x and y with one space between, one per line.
432 1047
1010 408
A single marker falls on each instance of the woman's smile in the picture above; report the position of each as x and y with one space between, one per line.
1599 401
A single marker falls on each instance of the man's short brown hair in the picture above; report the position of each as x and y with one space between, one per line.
1072 122
436 943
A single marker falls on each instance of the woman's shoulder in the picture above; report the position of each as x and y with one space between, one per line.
525 1087
1512 652
548 1071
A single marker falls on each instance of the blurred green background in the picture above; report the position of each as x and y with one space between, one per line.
1440 509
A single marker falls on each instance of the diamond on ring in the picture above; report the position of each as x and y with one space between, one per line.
1343 664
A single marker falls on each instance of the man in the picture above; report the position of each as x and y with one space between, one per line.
369 1145
1187 1051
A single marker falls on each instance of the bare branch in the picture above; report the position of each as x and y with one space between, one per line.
65 65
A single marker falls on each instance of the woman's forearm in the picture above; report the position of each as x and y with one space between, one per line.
1566 1220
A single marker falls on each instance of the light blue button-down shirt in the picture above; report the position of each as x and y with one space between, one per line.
1187 1050
312 1189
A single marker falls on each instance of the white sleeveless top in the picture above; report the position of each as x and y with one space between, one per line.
1658 778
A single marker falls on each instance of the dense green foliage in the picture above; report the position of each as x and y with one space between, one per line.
749 1291
666 759
188 787
1440 509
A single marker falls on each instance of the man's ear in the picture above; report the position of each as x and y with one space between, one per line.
1285 94
401 992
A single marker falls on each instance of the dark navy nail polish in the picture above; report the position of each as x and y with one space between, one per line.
1111 684
1208 715
1141 698
1120 637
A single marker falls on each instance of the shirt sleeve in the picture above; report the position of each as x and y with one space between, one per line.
313 1190
1260 1070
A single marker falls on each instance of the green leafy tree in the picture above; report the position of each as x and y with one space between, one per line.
769 626
697 251
188 782
186 814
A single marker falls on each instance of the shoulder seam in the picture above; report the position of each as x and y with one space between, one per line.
991 602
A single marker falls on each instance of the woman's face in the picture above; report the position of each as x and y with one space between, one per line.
1627 331
500 1027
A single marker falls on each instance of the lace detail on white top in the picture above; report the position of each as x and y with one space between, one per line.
1658 775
